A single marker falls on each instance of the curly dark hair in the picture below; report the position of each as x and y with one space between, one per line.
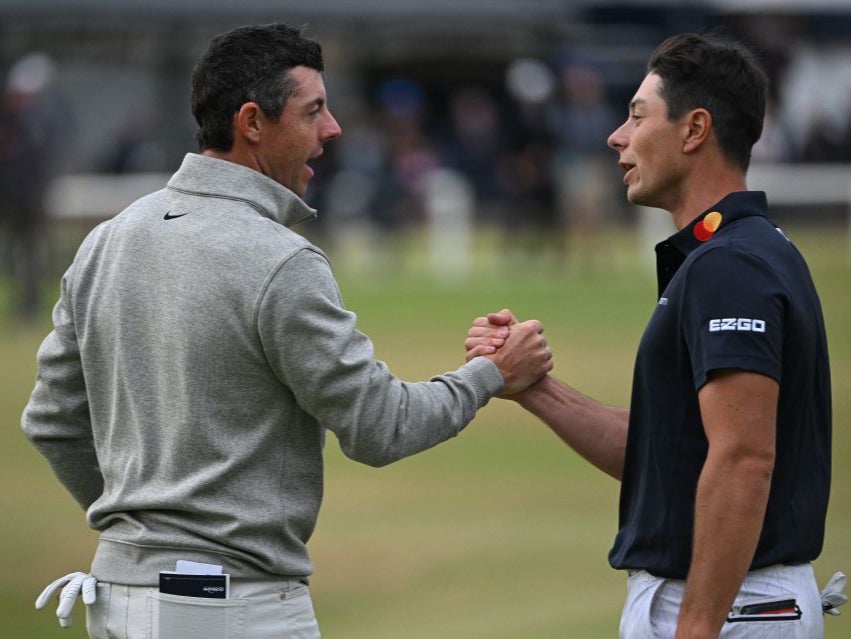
721 76
247 64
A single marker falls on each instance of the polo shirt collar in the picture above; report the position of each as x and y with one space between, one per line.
702 228
671 253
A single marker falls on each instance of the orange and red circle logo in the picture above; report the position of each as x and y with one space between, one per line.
704 229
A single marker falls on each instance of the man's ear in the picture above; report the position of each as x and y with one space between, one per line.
248 122
697 125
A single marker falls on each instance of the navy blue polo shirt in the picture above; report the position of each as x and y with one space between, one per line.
734 293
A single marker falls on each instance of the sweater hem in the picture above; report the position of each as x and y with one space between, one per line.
130 564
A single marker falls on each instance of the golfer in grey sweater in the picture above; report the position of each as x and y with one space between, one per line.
200 351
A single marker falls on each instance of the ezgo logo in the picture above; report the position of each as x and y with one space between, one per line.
737 324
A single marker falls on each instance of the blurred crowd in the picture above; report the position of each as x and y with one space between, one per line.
533 157
31 124
526 156
534 152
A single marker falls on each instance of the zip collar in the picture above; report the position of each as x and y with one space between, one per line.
211 177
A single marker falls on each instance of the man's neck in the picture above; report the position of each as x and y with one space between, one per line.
705 189
236 155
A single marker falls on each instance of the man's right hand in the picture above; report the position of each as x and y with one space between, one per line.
488 333
519 350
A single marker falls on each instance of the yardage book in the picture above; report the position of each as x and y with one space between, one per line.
209 586
195 580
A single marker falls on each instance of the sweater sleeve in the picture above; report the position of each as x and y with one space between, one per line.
56 419
317 352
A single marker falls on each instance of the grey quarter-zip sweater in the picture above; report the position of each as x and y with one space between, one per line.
200 351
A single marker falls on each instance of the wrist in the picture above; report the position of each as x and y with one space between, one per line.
528 395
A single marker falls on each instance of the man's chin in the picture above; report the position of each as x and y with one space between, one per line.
633 197
298 187
637 198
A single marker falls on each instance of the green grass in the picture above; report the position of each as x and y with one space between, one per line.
500 533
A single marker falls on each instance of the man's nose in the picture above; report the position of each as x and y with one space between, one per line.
618 139
332 128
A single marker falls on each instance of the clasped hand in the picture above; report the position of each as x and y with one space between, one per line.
519 349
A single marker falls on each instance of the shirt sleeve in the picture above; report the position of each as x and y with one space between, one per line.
56 418
317 352
733 314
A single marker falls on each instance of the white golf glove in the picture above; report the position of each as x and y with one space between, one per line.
73 583
833 594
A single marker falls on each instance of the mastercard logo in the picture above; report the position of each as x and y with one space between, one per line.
704 229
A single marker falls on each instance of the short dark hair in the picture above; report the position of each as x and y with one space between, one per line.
721 76
247 64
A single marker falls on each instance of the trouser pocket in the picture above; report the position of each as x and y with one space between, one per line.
637 620
178 617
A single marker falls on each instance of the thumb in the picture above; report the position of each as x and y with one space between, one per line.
502 318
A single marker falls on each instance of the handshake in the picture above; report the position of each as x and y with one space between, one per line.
518 349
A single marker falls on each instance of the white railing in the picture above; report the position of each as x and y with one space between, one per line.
804 184
95 197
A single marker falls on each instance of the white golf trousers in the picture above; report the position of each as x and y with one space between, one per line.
278 609
653 605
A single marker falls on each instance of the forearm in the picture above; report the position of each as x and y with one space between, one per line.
392 419
729 509
596 431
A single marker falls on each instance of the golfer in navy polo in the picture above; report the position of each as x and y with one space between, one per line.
735 295
724 454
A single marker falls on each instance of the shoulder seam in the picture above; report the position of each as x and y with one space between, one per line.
274 271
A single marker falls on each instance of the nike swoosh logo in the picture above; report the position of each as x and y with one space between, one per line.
169 216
